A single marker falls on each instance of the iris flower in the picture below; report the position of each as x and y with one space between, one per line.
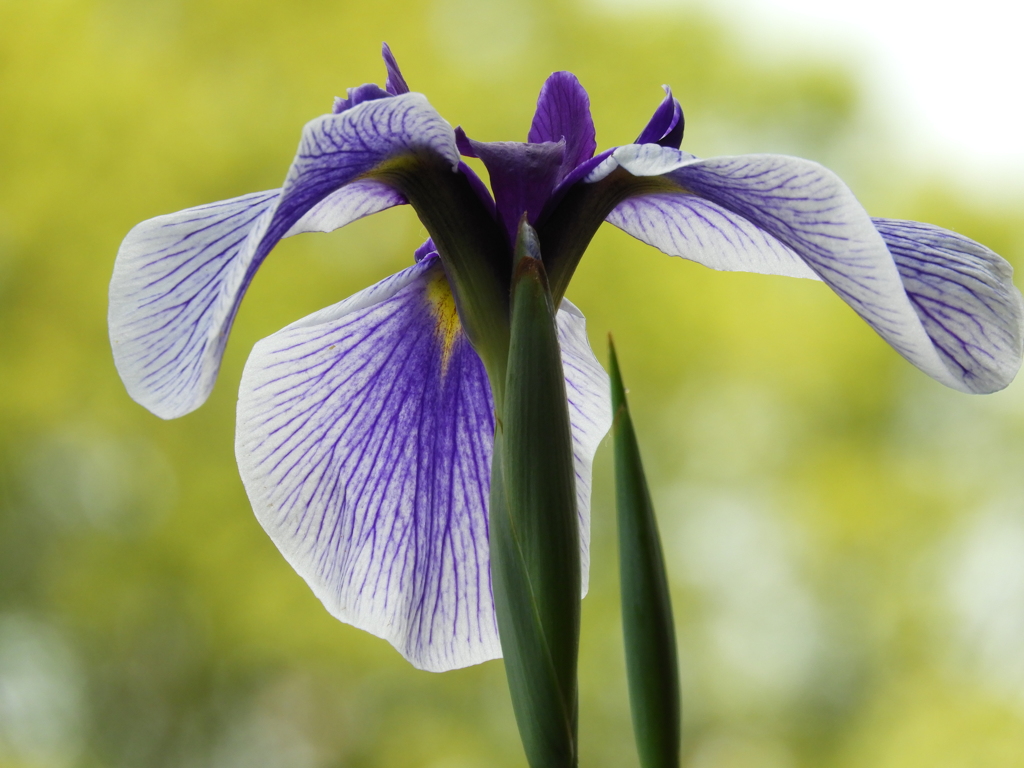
365 431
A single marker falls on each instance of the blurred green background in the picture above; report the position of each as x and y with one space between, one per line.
845 537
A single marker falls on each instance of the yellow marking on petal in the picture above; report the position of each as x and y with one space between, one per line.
446 318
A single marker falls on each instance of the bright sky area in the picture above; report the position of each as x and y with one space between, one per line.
948 74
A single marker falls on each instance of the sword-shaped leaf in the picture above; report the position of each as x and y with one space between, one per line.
647 625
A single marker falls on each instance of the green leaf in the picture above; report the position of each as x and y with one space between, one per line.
535 554
647 625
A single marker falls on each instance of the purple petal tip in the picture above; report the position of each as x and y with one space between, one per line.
464 143
395 84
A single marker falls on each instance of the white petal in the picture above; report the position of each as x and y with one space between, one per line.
641 160
702 231
590 413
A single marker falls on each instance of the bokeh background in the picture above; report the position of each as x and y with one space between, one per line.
845 537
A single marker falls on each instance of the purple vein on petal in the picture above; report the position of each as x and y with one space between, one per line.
364 441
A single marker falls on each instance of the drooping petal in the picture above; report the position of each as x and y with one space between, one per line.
702 231
666 124
175 283
364 441
178 279
965 297
590 412
810 211
343 206
563 112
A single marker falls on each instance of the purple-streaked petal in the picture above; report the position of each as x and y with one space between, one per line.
178 279
337 149
176 283
563 112
395 84
702 231
666 124
522 175
965 298
365 435
590 412
351 202
810 210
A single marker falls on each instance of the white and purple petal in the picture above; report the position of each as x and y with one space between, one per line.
178 279
811 213
347 204
364 440
338 149
702 231
173 293
965 297
639 160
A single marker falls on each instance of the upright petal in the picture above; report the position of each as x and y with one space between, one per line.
965 297
365 434
563 112
522 175
178 279
666 124
359 94
395 84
